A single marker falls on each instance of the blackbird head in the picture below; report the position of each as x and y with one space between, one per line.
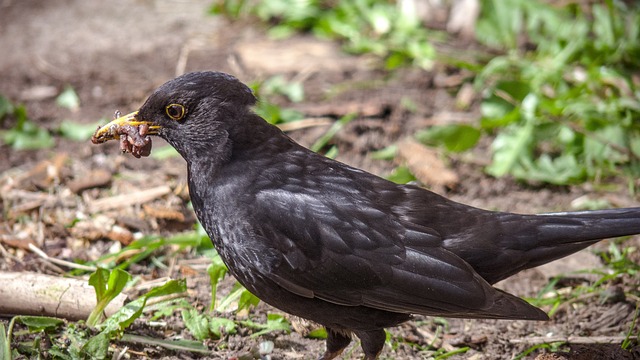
196 113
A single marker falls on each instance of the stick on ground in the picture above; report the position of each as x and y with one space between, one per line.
45 295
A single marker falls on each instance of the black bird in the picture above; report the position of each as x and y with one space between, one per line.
337 245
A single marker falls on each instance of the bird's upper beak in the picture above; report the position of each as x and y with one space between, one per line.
123 125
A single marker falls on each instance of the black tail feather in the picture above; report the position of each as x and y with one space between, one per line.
527 241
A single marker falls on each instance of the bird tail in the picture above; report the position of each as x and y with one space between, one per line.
528 241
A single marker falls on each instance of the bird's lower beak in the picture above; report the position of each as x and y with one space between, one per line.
124 125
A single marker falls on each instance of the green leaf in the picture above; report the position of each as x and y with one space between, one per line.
231 298
456 138
247 300
509 146
294 91
275 322
68 99
5 344
203 326
499 23
126 315
198 324
217 270
169 288
274 114
40 323
333 130
26 135
97 347
6 107
175 345
319 333
387 153
106 290
517 90
563 169
218 326
422 53
99 280
77 132
118 279
401 175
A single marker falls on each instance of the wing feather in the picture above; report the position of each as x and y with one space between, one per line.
362 259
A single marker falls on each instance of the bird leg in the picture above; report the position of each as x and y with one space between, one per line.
337 340
372 342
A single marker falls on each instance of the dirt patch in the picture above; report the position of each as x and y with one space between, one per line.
114 53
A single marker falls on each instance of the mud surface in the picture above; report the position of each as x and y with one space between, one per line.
113 54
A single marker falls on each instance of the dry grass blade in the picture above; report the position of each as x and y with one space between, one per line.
68 264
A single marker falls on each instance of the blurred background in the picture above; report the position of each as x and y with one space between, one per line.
526 106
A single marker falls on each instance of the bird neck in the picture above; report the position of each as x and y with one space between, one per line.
253 133
254 139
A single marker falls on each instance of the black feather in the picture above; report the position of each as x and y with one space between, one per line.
342 247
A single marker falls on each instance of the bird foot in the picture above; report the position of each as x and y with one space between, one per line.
330 355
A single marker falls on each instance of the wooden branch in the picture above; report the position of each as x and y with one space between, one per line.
45 295
569 339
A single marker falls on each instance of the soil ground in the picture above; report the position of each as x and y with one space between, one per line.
113 54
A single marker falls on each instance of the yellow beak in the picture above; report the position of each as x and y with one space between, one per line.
121 126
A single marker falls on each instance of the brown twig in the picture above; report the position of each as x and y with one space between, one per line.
124 200
45 295
569 339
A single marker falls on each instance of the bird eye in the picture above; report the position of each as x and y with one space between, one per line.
175 111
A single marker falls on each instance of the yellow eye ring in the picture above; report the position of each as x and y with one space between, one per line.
175 111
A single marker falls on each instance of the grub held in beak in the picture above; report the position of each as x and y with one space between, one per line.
132 132
123 125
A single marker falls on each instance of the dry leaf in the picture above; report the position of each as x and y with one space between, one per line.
425 164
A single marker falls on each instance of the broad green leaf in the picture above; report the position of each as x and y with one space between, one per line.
170 287
119 321
31 140
319 333
560 170
25 135
495 108
99 280
509 146
218 326
40 323
97 347
118 279
275 322
197 323
105 293
294 91
203 326
456 138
